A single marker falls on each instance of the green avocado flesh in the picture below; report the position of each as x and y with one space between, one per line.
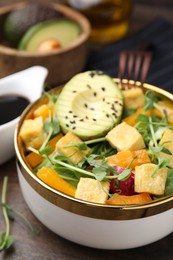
89 105
20 20
64 31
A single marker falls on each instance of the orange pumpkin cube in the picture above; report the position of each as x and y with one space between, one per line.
128 157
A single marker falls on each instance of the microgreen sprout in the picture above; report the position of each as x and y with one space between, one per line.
161 164
152 132
127 171
150 100
83 145
7 240
51 96
152 129
52 127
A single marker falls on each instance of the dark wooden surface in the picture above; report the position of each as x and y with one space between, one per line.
48 246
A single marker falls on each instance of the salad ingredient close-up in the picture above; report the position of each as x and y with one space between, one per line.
98 143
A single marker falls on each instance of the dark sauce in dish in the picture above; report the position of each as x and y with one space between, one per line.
11 106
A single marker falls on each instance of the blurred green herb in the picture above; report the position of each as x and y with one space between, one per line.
169 182
152 128
150 100
51 126
161 164
7 240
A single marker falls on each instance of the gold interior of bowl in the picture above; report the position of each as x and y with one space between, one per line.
84 208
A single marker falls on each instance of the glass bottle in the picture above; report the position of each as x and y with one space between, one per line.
109 18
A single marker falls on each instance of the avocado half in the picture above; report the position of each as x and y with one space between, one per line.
62 31
89 105
20 20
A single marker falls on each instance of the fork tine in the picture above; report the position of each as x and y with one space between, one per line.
130 64
134 65
122 65
124 70
137 66
145 68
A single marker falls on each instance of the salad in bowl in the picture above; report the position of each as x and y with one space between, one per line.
102 152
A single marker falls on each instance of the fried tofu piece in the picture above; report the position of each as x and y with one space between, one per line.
125 137
90 190
134 98
32 133
148 181
74 154
167 142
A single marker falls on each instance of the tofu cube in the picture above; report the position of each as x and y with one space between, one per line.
90 190
125 137
32 132
133 98
167 142
145 181
73 153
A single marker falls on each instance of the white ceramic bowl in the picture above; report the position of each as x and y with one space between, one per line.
91 224
27 83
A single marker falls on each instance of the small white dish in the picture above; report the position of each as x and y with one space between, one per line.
27 83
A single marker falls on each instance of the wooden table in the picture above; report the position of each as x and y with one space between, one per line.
49 246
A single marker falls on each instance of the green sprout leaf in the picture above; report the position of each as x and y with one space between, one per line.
165 150
45 150
51 96
162 163
100 173
150 100
6 238
169 182
81 146
52 124
124 175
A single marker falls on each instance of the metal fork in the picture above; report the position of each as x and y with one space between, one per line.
133 65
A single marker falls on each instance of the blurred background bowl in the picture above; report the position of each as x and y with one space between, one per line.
62 63
91 224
